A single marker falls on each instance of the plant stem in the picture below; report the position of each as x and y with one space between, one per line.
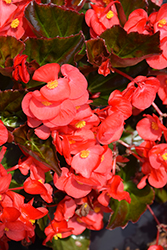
122 73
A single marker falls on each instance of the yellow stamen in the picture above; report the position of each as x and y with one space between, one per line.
106 2
154 125
72 141
85 205
40 180
97 209
110 14
0 197
102 158
161 23
84 153
32 221
15 23
164 156
6 229
52 84
7 1
78 219
80 183
80 124
77 107
46 103
56 236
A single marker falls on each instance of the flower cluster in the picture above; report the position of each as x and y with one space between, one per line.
73 115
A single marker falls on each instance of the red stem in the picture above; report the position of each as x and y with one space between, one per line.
12 168
151 211
16 188
122 73
128 147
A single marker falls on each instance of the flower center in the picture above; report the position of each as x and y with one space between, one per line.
46 103
52 84
84 153
154 125
102 158
7 1
77 107
164 156
32 221
72 141
15 23
80 124
110 14
56 236
6 229
161 23
106 2
97 209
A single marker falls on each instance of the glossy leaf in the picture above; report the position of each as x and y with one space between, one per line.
74 242
125 212
59 50
52 20
9 48
75 4
10 107
125 49
43 151
130 6
11 156
105 85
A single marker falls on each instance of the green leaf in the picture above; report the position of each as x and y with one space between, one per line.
105 85
130 6
123 49
50 20
10 107
9 48
57 50
41 150
129 49
11 156
161 194
74 242
125 212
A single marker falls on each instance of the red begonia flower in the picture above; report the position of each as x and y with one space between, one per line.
158 156
14 230
12 23
99 19
159 61
156 247
137 22
156 177
87 160
142 96
3 133
111 128
77 82
20 72
104 68
162 92
74 185
115 189
161 21
57 229
65 209
150 128
118 102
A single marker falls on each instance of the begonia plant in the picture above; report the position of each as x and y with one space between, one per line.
82 118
